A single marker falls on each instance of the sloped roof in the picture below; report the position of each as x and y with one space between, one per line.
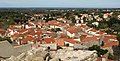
70 40
62 35
54 22
73 29
49 40
30 38
110 40
59 42
88 39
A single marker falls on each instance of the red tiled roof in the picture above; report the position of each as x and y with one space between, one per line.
54 22
70 40
72 29
24 41
108 43
108 37
49 40
60 42
82 37
38 32
39 39
62 35
31 32
83 26
22 30
30 38
94 30
16 35
92 38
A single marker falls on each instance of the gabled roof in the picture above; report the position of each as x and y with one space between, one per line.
83 25
59 42
108 37
38 32
15 36
62 35
30 38
24 41
54 22
38 39
88 39
72 29
70 40
22 30
110 44
49 40
110 40
93 30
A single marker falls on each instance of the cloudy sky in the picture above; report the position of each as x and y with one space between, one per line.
61 3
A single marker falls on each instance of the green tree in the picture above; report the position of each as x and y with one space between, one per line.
110 56
116 27
98 49
6 38
118 38
103 25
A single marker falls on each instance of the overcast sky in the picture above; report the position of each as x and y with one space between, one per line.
61 3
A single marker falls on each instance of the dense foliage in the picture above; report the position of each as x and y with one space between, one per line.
98 49
110 56
6 38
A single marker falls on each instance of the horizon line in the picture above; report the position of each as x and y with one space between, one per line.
58 7
62 7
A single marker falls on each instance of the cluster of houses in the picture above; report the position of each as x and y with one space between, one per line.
61 33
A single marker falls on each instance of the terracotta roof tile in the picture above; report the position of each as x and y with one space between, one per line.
54 22
70 40
83 26
60 42
110 40
38 32
49 40
30 38
110 44
24 41
62 35
22 30
82 37
94 30
72 29
92 38
16 35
